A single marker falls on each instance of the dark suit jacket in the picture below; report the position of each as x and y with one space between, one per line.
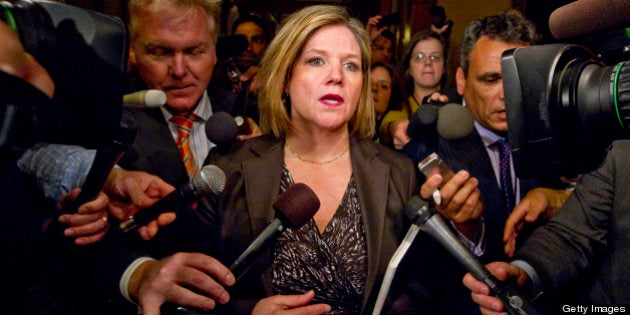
154 150
441 291
385 180
588 238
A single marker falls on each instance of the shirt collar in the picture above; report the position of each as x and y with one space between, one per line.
487 136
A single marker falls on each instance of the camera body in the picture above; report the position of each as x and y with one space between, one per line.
564 107
85 53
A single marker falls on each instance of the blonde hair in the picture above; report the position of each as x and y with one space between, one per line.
212 8
281 55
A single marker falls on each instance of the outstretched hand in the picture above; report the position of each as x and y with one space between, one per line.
130 191
187 279
538 203
91 221
503 271
460 200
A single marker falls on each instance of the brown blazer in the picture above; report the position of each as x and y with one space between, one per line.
385 180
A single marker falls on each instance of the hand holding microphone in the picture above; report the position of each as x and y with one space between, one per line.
210 180
421 214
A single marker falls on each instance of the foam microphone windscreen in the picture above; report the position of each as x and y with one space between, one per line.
297 205
231 46
454 121
221 128
586 17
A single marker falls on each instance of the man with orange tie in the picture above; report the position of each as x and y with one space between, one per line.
172 48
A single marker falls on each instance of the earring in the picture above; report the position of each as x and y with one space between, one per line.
285 98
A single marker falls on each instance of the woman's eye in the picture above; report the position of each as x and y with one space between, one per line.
351 66
316 61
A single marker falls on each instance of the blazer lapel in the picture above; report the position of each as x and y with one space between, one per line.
371 177
262 183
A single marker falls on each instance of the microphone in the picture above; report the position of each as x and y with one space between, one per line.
231 46
210 180
423 121
585 17
104 161
393 266
294 207
222 128
145 99
454 121
451 121
421 214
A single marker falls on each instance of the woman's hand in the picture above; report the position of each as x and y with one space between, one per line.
290 304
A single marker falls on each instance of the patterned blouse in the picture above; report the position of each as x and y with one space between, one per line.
333 263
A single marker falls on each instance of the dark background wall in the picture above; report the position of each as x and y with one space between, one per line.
414 13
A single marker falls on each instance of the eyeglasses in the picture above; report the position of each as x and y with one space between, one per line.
420 57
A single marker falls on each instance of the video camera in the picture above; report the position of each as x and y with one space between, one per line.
567 102
85 53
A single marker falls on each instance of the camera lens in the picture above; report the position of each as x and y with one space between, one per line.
564 108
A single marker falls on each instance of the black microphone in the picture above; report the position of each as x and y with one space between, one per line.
586 17
222 128
294 207
104 161
210 180
423 121
231 46
418 210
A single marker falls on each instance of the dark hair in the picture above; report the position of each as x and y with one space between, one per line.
398 92
404 64
267 29
509 26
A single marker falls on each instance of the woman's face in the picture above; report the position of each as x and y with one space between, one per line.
382 49
381 90
426 65
325 84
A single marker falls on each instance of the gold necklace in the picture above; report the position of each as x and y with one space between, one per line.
303 159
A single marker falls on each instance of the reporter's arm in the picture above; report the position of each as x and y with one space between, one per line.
460 201
290 304
186 279
130 191
538 203
480 292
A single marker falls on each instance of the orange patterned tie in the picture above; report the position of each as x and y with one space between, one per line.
184 126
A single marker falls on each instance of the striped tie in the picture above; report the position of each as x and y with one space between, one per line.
184 125
505 174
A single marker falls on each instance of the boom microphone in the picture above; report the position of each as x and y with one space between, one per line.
145 99
421 214
294 207
585 17
210 180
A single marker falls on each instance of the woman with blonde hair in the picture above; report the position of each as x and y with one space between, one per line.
317 115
